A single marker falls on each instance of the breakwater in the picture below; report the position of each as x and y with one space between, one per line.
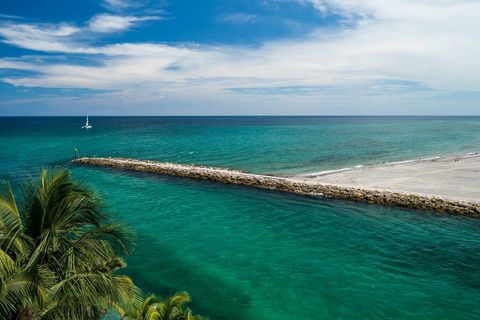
312 188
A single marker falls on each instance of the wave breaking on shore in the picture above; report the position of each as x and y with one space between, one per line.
290 185
387 163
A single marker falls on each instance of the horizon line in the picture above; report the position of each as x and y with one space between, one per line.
239 116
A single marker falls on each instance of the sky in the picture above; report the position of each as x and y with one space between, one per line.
264 57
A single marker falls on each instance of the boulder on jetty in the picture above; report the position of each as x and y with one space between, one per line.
222 175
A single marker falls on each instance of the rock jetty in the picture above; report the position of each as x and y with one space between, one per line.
222 175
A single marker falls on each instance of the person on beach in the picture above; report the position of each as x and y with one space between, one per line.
75 150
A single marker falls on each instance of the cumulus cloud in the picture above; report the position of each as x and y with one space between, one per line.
105 23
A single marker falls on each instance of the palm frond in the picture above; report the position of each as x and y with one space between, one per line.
11 227
59 257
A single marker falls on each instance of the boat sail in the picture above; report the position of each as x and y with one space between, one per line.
87 126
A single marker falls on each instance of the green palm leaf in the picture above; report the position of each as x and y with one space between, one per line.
59 257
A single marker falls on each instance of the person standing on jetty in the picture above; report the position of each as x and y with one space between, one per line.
75 150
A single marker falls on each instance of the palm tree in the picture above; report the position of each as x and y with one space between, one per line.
27 289
153 308
59 254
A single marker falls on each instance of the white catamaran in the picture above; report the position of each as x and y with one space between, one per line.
87 126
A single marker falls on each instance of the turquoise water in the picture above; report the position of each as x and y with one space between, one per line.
249 254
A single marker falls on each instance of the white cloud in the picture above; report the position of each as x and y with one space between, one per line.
65 38
430 43
118 5
9 16
401 10
43 37
240 18
104 23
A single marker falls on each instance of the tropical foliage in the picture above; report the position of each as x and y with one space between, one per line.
153 308
59 254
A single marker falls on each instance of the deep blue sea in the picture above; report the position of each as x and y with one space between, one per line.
253 254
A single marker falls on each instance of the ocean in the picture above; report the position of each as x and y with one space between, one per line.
244 253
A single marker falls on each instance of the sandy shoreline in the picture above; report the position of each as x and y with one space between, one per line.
314 186
454 177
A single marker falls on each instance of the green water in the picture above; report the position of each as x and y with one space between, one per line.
250 254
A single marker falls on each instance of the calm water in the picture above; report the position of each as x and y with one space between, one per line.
250 254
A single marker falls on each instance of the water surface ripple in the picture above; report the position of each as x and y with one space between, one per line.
253 254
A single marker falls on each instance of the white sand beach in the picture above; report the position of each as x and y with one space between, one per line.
449 177
431 185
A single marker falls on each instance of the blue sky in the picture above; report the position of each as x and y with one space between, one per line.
318 57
